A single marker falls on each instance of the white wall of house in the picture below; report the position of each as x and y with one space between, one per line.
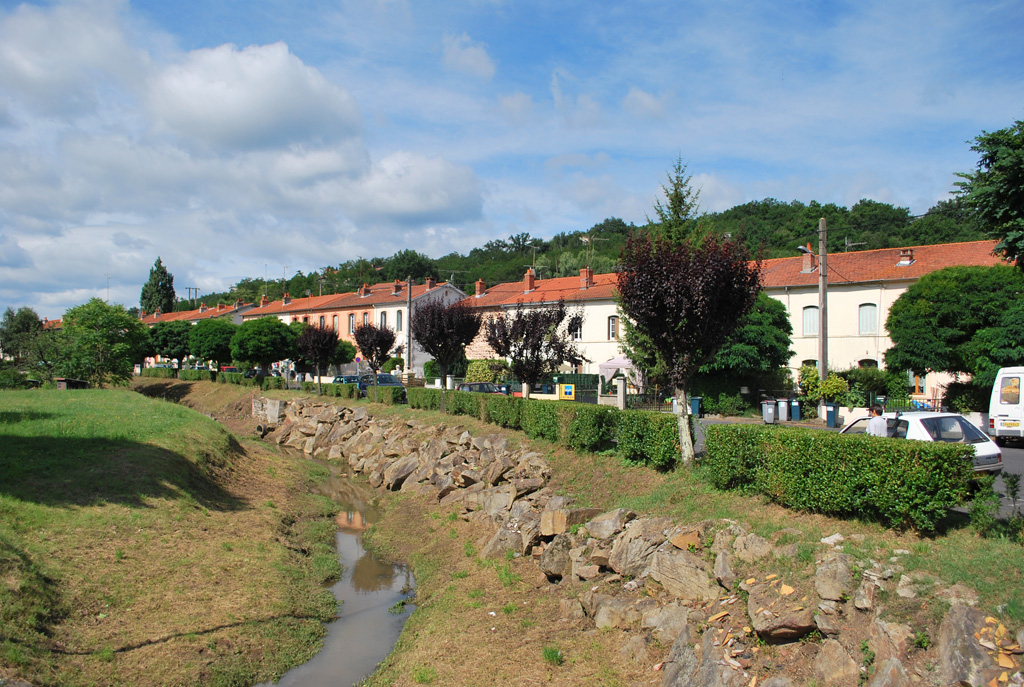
594 342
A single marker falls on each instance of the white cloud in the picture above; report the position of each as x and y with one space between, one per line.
644 105
257 97
464 56
516 108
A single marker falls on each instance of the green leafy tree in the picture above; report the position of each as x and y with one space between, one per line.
210 339
100 343
686 297
759 345
376 344
158 291
444 331
994 189
317 345
344 353
261 342
409 263
933 323
1001 345
18 331
535 340
677 216
171 339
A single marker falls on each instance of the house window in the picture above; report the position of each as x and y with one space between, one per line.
351 324
811 320
398 321
334 323
383 320
868 362
868 319
323 322
306 319
613 328
808 363
577 332
366 318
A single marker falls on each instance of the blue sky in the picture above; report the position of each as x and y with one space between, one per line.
235 138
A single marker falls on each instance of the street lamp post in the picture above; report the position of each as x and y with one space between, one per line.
822 297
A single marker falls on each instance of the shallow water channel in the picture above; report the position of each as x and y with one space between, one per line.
366 630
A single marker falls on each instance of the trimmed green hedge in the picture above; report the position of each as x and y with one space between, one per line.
421 398
902 483
197 375
649 438
159 372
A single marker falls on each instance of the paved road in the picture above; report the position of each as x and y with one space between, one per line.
1013 461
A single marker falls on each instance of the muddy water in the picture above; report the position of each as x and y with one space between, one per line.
366 630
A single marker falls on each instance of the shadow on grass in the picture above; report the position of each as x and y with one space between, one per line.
12 417
175 391
62 472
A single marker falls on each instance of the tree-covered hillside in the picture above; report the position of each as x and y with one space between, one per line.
770 228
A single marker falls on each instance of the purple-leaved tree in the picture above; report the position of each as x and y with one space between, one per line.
444 331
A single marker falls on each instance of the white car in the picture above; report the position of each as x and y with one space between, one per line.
949 427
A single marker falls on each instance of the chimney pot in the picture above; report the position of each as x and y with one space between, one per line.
480 287
528 280
431 283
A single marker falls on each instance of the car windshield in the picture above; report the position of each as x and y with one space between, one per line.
953 430
387 379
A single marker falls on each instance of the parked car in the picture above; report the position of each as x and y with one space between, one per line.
480 388
229 368
383 379
346 379
1006 407
948 427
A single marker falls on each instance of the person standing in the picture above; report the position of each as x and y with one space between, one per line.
877 426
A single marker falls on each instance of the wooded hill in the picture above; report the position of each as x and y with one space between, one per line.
770 228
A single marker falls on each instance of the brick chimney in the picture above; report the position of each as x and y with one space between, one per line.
586 278
397 288
906 257
808 265
239 303
202 307
286 298
263 302
156 314
431 284
221 307
528 281
364 290
480 288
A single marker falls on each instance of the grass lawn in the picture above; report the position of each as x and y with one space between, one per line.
142 544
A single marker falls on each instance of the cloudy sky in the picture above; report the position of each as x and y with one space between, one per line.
236 138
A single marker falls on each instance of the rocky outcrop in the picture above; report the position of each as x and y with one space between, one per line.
679 587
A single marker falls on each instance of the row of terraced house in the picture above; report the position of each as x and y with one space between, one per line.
862 286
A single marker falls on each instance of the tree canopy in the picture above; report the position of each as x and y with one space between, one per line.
535 340
158 291
317 345
759 345
100 343
261 342
934 324
210 339
376 344
444 331
995 189
706 283
171 339
18 330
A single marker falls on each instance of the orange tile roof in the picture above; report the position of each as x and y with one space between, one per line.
202 313
880 265
378 295
546 291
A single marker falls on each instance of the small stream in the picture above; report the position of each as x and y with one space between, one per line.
366 630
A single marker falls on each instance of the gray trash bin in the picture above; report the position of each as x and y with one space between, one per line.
768 412
783 410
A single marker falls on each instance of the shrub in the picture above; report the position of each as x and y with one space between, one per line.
11 378
231 378
159 372
965 397
540 420
484 370
393 364
197 375
725 405
902 483
274 383
431 370
504 411
463 403
590 427
390 395
424 399
648 438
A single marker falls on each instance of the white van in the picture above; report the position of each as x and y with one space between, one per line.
1005 411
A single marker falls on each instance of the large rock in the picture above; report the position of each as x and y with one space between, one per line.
750 547
714 668
684 575
497 499
723 569
681 663
636 544
778 616
833 665
397 472
666 622
833 579
560 520
961 659
621 613
889 640
555 561
607 525
889 673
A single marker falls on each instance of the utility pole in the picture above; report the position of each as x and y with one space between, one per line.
408 327
822 300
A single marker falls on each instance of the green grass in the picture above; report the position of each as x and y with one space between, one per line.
119 511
